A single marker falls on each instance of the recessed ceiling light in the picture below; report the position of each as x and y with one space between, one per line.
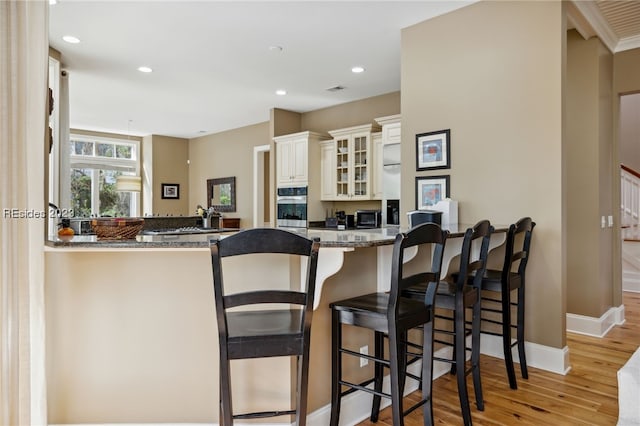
281 92
145 69
52 2
357 70
275 48
71 39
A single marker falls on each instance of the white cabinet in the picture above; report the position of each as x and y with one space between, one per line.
292 158
327 171
346 167
376 160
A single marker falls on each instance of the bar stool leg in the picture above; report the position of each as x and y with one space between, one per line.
427 373
506 338
378 375
336 367
303 381
475 355
459 358
396 392
520 333
226 415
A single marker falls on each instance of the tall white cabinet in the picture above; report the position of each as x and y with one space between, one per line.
296 161
347 168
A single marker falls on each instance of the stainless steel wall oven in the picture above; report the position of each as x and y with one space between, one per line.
291 205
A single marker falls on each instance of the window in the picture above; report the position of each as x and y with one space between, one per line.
95 164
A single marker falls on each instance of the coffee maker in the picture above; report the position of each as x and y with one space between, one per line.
393 212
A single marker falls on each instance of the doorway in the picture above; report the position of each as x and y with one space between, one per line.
261 185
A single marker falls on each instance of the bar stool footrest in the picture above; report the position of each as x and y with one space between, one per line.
264 414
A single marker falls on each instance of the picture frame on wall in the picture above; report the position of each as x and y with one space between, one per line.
170 191
433 150
430 190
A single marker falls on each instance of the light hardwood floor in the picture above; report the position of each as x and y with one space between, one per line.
587 395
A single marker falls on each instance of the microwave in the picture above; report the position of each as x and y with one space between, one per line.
368 219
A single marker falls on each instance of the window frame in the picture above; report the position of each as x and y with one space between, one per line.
94 162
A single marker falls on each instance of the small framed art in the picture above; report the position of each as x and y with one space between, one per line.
433 150
430 190
171 191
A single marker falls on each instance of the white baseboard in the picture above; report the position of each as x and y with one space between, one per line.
597 327
356 407
538 356
631 281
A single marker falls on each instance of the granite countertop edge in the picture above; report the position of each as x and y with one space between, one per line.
349 238
329 238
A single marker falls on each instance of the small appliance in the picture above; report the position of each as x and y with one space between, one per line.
368 219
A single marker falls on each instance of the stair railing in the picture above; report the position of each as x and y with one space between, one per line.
629 196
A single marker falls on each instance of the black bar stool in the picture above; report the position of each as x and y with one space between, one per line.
264 333
455 296
392 314
504 282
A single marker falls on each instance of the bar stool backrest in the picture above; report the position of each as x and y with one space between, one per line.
420 235
517 249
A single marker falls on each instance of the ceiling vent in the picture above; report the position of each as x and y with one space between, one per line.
335 88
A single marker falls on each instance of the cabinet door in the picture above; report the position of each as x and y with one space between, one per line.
284 160
328 171
298 166
343 168
376 169
360 167
291 162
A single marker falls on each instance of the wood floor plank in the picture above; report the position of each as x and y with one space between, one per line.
587 395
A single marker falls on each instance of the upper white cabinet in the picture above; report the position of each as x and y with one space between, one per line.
292 158
390 129
346 164
376 155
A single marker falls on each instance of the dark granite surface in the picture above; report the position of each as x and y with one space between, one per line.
328 238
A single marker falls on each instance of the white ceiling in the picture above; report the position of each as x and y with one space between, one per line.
213 68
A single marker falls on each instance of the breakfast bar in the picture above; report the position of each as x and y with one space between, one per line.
124 318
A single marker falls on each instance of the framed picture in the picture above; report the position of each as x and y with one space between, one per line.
171 191
430 190
433 150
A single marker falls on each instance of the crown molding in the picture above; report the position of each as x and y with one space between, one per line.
596 21
628 43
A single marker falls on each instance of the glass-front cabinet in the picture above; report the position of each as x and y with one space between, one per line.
347 164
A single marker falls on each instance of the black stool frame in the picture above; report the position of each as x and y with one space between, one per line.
264 333
391 314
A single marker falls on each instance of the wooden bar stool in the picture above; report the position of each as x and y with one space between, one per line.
392 314
455 297
264 333
503 283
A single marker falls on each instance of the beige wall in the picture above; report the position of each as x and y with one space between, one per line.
630 130
626 79
496 82
352 113
226 154
170 157
589 176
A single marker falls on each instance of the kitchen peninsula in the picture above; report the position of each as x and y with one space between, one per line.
126 318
